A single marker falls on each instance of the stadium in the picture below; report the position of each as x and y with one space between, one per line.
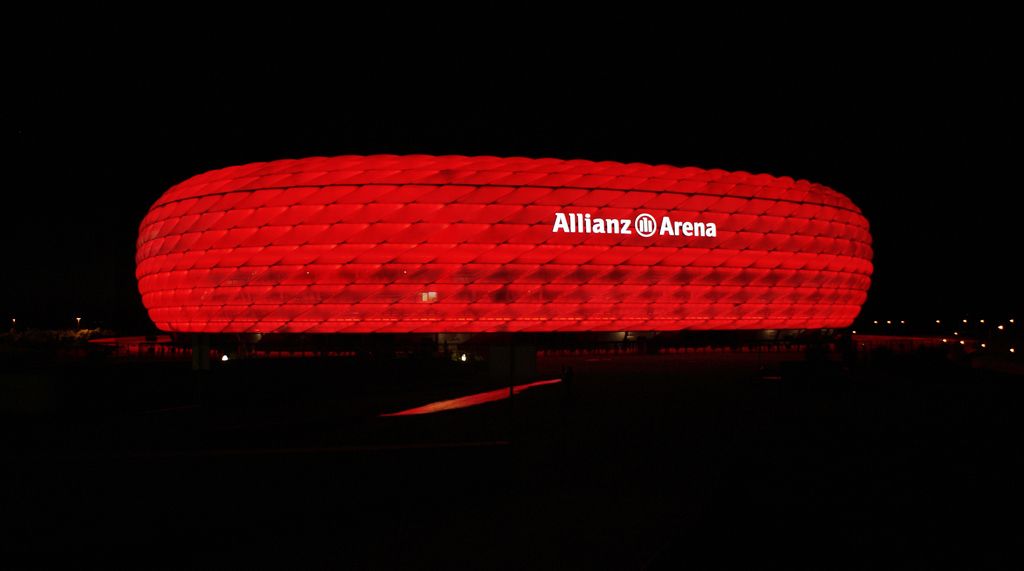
453 244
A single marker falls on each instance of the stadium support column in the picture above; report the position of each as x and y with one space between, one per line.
515 357
200 351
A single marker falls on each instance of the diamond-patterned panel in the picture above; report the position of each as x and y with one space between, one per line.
451 244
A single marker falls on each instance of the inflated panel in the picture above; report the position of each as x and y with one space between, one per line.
451 244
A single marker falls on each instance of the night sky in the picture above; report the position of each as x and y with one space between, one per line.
915 117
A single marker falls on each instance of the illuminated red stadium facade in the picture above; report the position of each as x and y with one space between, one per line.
399 244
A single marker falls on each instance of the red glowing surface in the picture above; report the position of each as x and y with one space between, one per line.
470 400
396 244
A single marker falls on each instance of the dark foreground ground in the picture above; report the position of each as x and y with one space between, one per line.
652 462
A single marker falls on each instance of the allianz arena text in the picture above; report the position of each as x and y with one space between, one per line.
407 244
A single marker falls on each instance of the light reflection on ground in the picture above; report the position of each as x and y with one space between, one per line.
470 400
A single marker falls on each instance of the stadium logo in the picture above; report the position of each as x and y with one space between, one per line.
644 224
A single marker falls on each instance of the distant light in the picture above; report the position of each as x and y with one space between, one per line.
943 340
965 321
956 333
982 345
961 342
889 322
463 356
854 332
1011 349
1011 321
937 321
902 321
876 322
983 321
1000 326
224 358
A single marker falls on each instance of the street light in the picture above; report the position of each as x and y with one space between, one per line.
79 320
